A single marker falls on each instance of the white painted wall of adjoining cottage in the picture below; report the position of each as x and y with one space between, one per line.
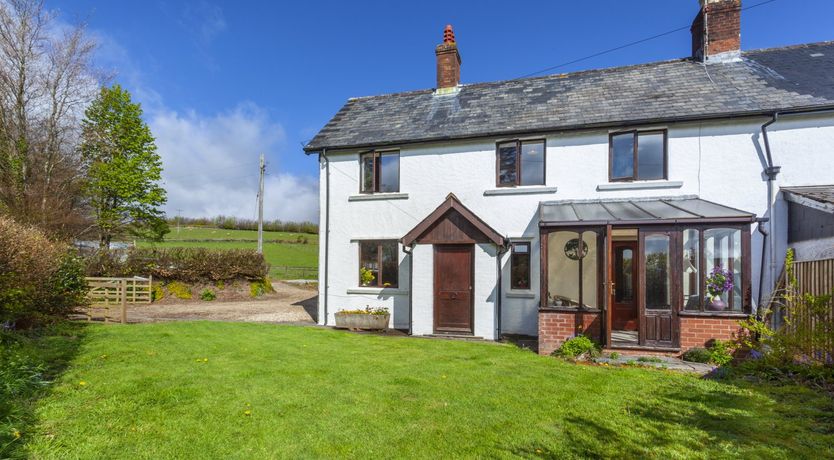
718 161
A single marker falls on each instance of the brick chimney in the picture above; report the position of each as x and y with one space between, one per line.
448 62
716 31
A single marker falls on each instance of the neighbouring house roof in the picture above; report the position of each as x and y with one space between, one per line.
819 197
779 79
637 211
452 222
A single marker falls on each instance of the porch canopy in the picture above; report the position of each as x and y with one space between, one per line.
668 210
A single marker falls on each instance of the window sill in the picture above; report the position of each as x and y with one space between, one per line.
715 314
555 309
640 185
377 290
378 196
522 190
521 294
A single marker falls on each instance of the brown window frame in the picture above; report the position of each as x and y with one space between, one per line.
635 149
378 281
376 154
513 264
746 270
518 144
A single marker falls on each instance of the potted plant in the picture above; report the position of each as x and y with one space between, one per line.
369 318
366 277
718 282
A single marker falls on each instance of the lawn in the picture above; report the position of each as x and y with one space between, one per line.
235 390
277 255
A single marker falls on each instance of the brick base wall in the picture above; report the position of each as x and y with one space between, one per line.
697 332
557 326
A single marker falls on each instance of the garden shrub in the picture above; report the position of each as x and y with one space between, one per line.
577 347
208 295
179 290
718 352
180 264
260 287
157 292
697 355
39 278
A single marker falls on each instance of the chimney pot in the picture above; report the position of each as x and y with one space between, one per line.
716 31
448 62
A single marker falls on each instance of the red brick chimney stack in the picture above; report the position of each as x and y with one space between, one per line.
716 31
448 62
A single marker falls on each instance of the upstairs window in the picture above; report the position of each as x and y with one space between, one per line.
520 163
520 266
379 263
637 155
380 172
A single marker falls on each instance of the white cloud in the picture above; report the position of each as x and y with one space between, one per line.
211 165
210 161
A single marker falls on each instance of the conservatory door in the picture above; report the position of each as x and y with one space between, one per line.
658 263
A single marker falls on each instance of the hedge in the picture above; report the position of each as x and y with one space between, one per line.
180 264
39 278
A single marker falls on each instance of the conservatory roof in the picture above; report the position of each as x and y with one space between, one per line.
638 211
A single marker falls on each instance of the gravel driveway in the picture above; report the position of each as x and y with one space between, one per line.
289 304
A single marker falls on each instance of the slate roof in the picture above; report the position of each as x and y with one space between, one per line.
791 78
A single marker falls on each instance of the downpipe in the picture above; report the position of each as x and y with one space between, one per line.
771 171
325 289
409 250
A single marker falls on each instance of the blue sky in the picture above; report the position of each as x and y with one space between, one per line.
222 81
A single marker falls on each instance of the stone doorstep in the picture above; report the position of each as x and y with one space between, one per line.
665 362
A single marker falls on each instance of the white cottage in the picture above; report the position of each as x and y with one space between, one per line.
595 202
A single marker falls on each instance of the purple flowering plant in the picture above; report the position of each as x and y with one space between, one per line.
719 281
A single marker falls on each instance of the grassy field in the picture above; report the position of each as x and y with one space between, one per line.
276 254
203 233
234 390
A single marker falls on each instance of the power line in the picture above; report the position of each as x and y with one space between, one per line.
642 40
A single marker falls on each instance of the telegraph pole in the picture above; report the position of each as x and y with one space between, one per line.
179 219
261 207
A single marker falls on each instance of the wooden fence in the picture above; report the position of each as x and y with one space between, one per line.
810 323
109 296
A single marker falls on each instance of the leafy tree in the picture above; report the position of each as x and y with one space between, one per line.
123 169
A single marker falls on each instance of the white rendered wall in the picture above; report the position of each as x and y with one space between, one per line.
718 161
423 316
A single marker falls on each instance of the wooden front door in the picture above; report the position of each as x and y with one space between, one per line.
659 263
453 288
624 308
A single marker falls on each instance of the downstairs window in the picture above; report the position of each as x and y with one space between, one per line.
379 263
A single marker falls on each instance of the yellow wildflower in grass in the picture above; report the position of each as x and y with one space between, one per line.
103 356
247 413
82 383
16 434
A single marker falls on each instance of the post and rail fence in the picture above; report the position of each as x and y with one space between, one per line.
107 296
287 272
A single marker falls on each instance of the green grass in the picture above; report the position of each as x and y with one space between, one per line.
204 233
277 254
182 390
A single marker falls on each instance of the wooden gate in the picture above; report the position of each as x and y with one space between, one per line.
108 297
